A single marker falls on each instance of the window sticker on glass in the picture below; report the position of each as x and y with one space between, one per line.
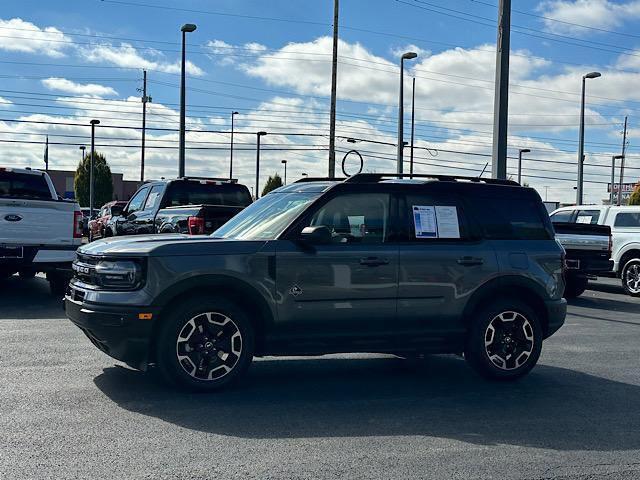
584 219
424 220
447 222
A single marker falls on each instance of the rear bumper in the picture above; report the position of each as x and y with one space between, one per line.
42 258
556 314
115 330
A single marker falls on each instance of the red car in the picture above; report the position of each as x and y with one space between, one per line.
98 227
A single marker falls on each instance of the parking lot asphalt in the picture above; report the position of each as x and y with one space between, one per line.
68 411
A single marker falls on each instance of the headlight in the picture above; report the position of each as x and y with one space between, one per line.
119 274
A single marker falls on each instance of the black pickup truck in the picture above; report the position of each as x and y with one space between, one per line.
190 205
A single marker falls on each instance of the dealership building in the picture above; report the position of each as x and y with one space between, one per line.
63 182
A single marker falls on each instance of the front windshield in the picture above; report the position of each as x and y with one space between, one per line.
267 218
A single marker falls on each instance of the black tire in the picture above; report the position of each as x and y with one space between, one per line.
27 274
575 286
477 353
631 277
58 284
218 347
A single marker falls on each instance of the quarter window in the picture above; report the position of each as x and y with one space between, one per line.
356 218
510 218
563 216
628 219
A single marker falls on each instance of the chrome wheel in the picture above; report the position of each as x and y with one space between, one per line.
209 346
509 340
632 278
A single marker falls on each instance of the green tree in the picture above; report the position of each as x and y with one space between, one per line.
103 183
272 183
634 199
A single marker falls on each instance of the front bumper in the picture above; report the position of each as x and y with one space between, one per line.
556 314
115 330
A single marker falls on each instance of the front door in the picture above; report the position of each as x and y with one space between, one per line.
127 226
345 291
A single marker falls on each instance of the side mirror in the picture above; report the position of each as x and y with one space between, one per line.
317 235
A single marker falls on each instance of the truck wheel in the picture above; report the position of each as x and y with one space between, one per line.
27 274
631 277
504 340
58 284
204 344
575 286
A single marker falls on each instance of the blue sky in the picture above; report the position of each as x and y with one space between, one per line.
67 62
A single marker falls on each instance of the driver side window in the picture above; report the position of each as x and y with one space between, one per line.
138 199
356 218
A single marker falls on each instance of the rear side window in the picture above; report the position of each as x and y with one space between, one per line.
564 216
627 219
154 197
199 193
433 217
510 218
23 185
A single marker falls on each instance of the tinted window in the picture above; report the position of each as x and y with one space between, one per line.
154 197
198 193
23 185
355 218
588 216
432 217
562 217
628 219
510 218
138 199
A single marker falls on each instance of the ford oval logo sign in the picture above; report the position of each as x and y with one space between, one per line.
12 218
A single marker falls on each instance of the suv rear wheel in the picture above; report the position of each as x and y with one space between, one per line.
205 344
504 341
631 277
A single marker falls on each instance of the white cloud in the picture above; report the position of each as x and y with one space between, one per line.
4 102
126 55
21 36
64 85
602 14
224 53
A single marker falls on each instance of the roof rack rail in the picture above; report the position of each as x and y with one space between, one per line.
320 179
376 177
214 179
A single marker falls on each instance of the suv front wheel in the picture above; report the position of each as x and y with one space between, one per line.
631 277
205 344
504 341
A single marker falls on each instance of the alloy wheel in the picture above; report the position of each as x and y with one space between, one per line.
209 346
632 278
509 340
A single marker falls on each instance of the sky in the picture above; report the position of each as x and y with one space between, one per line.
65 62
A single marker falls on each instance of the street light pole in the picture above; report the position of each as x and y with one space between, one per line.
520 152
233 114
82 148
413 124
405 56
258 135
187 27
285 171
581 138
91 165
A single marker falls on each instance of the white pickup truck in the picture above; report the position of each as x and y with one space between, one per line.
39 231
625 234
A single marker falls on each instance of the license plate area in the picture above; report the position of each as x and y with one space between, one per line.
11 252
573 264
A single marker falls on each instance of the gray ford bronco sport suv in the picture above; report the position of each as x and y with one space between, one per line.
373 263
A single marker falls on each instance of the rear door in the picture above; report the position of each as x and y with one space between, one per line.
442 261
344 291
29 215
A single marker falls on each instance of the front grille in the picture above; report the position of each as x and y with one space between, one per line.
84 268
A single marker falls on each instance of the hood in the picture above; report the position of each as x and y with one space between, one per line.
169 244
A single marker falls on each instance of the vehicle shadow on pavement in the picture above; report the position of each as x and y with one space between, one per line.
28 299
552 408
629 305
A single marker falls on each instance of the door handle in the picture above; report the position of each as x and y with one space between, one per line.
470 261
373 261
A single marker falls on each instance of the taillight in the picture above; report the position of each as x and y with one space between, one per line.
610 243
196 225
77 224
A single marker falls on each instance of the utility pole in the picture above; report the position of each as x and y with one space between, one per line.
145 99
501 100
46 155
413 122
624 147
334 87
